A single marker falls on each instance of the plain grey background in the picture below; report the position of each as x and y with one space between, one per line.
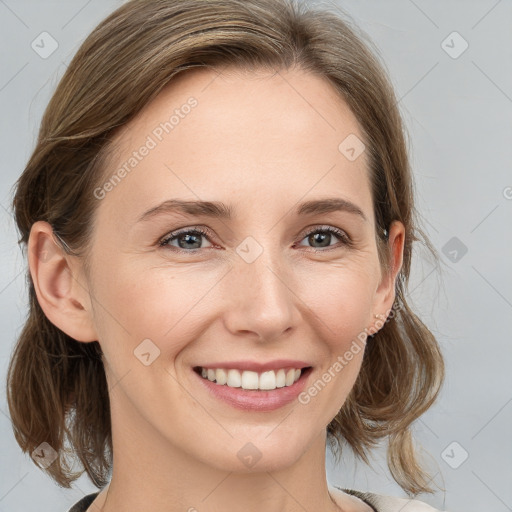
457 105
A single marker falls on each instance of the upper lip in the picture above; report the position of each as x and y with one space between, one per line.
258 367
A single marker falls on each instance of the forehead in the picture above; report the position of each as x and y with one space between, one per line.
252 135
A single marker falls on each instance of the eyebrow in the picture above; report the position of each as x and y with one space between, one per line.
217 209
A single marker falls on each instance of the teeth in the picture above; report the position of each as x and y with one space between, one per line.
252 380
290 376
234 379
268 380
249 380
221 376
280 378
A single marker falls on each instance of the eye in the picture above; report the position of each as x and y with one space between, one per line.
188 239
323 236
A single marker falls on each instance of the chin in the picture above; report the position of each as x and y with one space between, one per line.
259 453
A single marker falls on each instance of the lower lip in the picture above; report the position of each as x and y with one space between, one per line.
256 400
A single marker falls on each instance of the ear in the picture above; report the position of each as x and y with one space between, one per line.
64 300
385 293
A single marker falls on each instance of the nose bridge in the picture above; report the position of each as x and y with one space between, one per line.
262 289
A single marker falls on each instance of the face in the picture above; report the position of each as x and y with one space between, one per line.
285 281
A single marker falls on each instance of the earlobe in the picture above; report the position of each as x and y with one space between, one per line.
63 299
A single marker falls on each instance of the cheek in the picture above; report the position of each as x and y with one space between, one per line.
341 298
172 304
166 305
340 302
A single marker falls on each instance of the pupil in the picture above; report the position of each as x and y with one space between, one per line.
188 237
322 238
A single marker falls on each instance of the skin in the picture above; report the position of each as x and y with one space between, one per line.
260 142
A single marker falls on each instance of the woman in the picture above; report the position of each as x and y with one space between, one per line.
187 337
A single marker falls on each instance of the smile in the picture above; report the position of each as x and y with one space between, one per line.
250 390
250 380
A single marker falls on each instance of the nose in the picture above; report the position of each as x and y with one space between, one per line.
263 302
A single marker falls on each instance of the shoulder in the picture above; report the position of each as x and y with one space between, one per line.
384 503
82 504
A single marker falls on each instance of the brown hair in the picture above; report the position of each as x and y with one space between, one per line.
56 386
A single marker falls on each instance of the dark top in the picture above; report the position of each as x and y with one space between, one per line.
83 504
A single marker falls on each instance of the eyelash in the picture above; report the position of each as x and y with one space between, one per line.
345 239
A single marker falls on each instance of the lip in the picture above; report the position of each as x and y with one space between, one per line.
254 366
252 400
